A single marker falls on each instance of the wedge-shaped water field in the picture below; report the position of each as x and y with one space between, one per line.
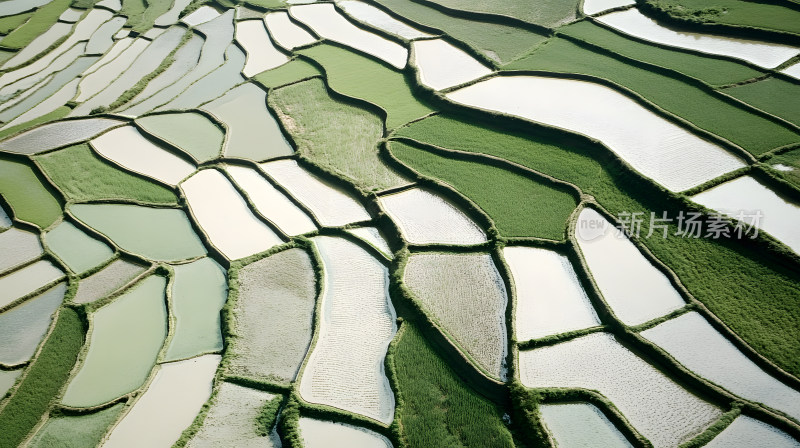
374 237
232 420
76 431
321 433
201 15
747 432
18 247
27 280
162 234
199 290
359 76
765 54
191 132
355 325
328 23
339 136
252 132
74 247
466 296
581 425
127 147
591 7
22 327
442 65
168 406
549 296
426 218
635 290
366 13
286 33
693 342
261 54
107 280
661 150
757 205
273 317
57 135
660 409
225 216
271 202
7 380
330 205
540 208
125 338
29 199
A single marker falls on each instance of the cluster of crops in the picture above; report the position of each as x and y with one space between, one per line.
390 223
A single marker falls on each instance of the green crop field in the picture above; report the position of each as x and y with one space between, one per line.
394 223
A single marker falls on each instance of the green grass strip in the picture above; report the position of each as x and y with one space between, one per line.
790 159
142 13
83 176
41 20
709 69
288 73
10 23
750 292
361 77
23 190
439 409
501 43
773 95
518 205
767 15
48 372
336 135
748 130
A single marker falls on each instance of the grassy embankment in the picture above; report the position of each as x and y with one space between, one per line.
775 16
83 176
790 159
499 43
746 129
336 135
435 407
744 287
361 77
28 197
45 377
538 210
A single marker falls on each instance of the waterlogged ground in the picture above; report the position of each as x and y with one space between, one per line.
392 223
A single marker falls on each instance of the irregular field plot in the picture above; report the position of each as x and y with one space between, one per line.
107 280
376 17
273 317
356 324
76 431
659 149
29 199
57 135
78 250
199 291
231 421
549 297
635 290
26 280
659 408
772 95
466 295
190 131
169 405
426 218
320 434
580 425
747 432
18 247
156 233
693 342
126 337
285 32
441 65
339 136
261 54
22 327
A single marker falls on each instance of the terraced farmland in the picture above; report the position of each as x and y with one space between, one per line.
399 223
